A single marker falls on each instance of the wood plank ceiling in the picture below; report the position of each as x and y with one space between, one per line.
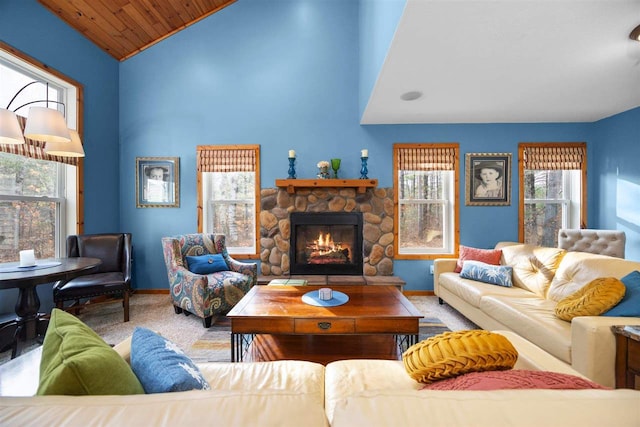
124 28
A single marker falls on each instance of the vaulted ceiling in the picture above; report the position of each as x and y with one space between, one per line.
125 27
471 61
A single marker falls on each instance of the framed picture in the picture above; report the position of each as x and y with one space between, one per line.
488 179
157 182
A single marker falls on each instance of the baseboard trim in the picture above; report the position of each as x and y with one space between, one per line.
418 293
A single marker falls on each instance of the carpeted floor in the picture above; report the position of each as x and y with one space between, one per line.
156 312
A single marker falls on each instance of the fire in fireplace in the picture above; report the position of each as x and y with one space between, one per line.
326 243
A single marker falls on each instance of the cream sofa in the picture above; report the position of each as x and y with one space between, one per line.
344 393
542 277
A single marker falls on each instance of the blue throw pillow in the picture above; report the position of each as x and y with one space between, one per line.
161 366
629 306
206 264
494 274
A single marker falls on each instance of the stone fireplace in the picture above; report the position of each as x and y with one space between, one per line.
326 243
375 205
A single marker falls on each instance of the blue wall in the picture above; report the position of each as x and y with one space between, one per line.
286 75
32 29
615 170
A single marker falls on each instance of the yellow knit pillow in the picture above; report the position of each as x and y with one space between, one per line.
599 296
455 353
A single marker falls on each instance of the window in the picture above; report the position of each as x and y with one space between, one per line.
38 192
228 194
426 194
552 190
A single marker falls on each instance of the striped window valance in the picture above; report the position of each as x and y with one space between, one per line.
229 159
34 149
426 158
555 157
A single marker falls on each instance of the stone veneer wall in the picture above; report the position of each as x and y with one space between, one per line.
376 206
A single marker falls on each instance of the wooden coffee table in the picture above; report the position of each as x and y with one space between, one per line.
273 323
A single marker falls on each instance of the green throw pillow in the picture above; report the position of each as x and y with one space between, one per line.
76 361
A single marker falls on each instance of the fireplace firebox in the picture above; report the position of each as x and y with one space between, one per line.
326 243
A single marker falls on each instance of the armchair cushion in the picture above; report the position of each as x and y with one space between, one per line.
206 264
75 359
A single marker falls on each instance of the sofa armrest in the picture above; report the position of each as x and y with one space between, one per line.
442 265
593 346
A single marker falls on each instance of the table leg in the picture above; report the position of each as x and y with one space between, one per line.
29 324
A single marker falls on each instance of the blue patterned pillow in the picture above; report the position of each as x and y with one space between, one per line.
206 264
161 366
494 274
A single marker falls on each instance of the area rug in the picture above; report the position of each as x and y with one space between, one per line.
155 311
215 344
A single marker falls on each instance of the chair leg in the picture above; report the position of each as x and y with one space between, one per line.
177 309
125 304
206 322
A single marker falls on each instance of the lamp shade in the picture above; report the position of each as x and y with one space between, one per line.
10 132
66 149
45 124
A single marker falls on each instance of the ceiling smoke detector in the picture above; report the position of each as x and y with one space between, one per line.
411 96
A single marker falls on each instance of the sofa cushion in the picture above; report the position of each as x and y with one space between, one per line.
592 300
494 274
161 366
471 291
76 361
532 318
207 264
578 269
630 304
514 379
467 253
533 266
455 353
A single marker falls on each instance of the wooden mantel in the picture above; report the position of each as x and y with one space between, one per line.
360 184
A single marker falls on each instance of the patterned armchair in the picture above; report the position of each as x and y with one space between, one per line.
205 295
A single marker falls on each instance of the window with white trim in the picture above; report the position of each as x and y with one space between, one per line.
552 193
426 194
228 194
38 194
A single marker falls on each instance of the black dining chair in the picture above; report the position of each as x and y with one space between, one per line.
111 278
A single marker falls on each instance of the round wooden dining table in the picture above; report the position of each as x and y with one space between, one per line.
29 323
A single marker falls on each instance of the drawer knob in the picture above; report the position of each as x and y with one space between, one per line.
324 325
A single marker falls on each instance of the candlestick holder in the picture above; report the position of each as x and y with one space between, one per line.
292 168
363 169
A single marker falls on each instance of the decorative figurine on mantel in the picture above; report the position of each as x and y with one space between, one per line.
323 169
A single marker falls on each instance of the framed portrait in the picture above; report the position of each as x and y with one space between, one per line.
157 182
488 179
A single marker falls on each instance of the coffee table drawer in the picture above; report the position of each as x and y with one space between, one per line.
328 326
387 326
